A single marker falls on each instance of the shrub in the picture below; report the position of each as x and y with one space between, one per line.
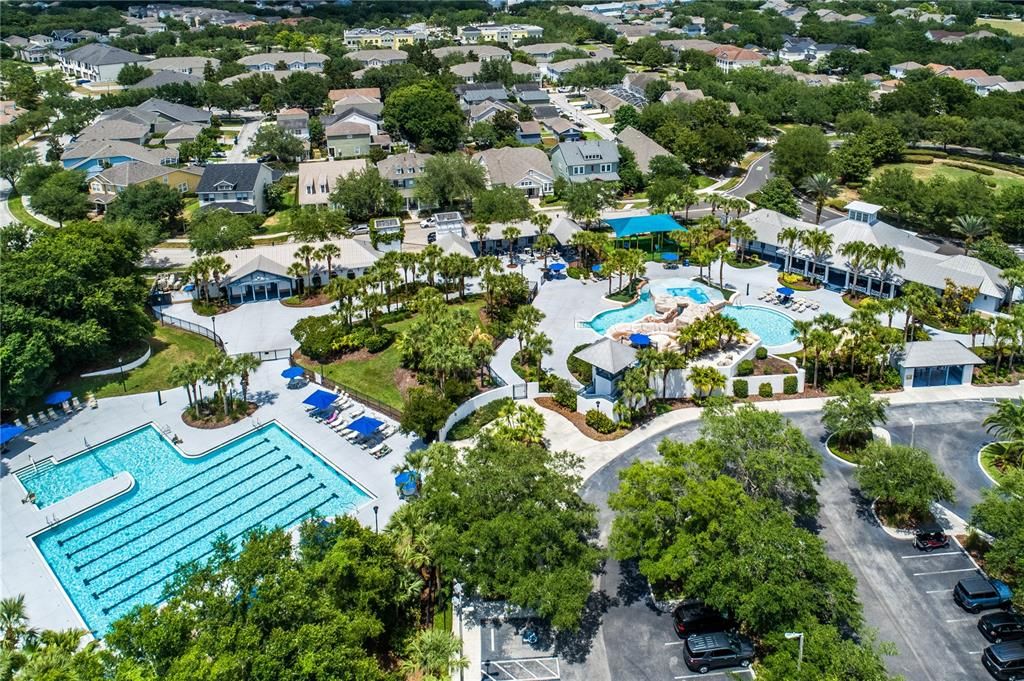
765 390
577 367
597 420
745 368
318 337
564 395
789 385
761 353
576 272
740 388
471 425
916 158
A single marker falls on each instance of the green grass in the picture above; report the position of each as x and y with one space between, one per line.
20 213
375 376
704 181
471 425
588 135
191 206
988 464
1008 25
171 347
925 172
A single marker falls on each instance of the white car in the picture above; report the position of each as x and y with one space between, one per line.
428 223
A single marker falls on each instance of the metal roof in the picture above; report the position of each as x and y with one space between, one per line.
608 355
937 353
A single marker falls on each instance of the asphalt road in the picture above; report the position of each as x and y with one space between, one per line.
906 595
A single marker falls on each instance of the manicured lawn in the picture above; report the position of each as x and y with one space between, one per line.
990 467
1009 25
191 206
704 181
925 172
20 214
591 135
171 347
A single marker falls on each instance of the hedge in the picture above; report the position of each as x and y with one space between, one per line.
599 422
968 166
745 368
916 158
765 390
789 385
740 388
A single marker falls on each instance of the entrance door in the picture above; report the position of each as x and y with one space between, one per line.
272 290
260 291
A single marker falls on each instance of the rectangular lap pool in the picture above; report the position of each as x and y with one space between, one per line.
122 552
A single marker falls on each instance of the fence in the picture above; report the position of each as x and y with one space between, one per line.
268 355
356 395
518 391
168 320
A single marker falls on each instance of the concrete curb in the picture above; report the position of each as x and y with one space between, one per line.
877 431
995 483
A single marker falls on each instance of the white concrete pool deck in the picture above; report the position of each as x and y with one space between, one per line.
24 570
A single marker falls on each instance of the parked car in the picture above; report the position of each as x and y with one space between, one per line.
719 650
975 594
218 154
1002 626
431 237
428 223
694 617
1005 661
931 537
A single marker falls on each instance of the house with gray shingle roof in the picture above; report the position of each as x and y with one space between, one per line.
189 65
105 186
642 146
293 61
93 156
237 187
586 161
170 114
166 78
525 168
98 62
115 129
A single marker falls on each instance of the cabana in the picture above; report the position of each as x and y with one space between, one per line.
643 225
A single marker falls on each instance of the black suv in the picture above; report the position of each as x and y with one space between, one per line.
1002 626
693 617
705 652
1005 661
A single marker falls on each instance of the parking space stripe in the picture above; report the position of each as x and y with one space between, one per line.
943 572
933 555
940 591
960 619
714 674
675 643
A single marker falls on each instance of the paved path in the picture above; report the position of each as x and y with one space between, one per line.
236 154
560 100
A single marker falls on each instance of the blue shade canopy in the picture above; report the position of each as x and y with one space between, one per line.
58 397
670 257
188 287
557 267
320 399
9 431
406 482
595 268
640 340
292 372
643 224
364 425
785 290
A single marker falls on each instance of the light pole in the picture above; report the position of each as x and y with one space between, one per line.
376 525
913 430
213 320
120 365
800 655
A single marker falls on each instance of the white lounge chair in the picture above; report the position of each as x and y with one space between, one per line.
26 425
76 404
815 305
54 416
375 451
42 418
93 402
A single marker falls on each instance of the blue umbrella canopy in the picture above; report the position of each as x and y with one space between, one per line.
785 290
670 257
9 431
364 425
640 340
596 268
406 482
292 372
320 399
557 267
58 397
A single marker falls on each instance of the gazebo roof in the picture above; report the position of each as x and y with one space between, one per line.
608 355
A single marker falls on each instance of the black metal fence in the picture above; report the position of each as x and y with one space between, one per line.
268 355
356 395
186 325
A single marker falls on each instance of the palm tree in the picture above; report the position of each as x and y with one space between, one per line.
511 234
802 329
821 187
1007 424
328 252
687 197
408 260
217 267
524 323
819 243
219 369
788 237
306 253
721 248
975 324
430 257
743 234
971 227
298 270
857 254
480 231
244 365
433 655
706 380
820 341
14 622
180 374
538 345
887 259
545 242
635 388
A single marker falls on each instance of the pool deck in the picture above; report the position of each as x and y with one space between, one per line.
26 572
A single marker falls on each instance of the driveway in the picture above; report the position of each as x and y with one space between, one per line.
603 129
236 154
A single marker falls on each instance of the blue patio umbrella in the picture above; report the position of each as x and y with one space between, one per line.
364 425
58 397
406 482
188 287
640 340
321 399
292 372
557 267
9 431
785 291
670 257
595 268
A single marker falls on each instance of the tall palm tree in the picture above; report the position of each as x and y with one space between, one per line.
430 257
887 260
971 227
480 231
706 380
975 324
219 369
635 389
819 243
408 260
821 187
328 252
545 242
721 249
802 329
743 234
306 253
217 267
298 270
538 345
858 254
180 375
820 341
1007 424
687 197
14 622
789 237
244 365
511 234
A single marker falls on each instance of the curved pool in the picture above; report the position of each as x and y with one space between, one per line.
773 328
644 305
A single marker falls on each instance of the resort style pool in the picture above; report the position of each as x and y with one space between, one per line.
773 328
122 552
644 305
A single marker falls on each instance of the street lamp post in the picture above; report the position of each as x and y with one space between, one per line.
120 365
800 655
913 430
376 525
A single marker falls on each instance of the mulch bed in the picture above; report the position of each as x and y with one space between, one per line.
311 301
579 420
207 424
772 366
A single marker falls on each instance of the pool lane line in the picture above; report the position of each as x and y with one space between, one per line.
61 542
307 477
135 523
149 548
307 512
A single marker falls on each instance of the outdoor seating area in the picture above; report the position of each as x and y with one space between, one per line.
62 405
346 417
783 297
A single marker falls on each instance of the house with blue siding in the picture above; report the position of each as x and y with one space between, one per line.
94 155
586 161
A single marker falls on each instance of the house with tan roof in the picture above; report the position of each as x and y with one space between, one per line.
293 61
402 171
107 184
93 156
317 179
369 92
525 168
348 139
729 58
373 59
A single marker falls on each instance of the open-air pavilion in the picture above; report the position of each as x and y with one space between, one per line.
638 227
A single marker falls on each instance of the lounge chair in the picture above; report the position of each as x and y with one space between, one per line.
93 402
375 452
815 305
76 404
333 417
54 416
358 411
67 408
42 418
27 425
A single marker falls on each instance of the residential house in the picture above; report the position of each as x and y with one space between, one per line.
795 14
371 93
982 85
545 52
166 78
26 50
98 62
487 109
679 92
468 71
1010 87
900 70
169 114
353 115
182 132
373 59
634 32
530 94
367 106
556 70
190 65
525 168
529 133
637 82
347 139
105 186
482 52
402 170
294 121
564 130
378 38
317 179
698 44
115 129
481 92
509 34
293 61
545 111
93 156
277 75
642 146
945 37
872 79
605 100
939 69
587 161
729 58
237 187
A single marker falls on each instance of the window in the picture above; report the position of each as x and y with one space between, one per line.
241 196
183 187
324 188
578 170
399 170
606 167
309 190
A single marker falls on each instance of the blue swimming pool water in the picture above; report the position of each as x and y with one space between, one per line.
773 328
645 306
121 553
